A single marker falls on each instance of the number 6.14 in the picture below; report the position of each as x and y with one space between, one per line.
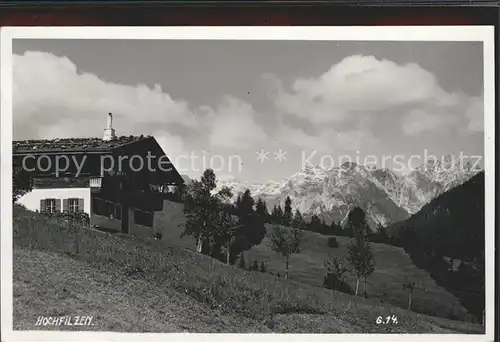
393 319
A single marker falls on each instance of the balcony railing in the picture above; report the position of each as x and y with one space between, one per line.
95 182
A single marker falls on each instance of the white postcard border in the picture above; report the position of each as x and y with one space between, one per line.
354 33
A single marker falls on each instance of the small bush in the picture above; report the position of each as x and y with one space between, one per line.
335 279
332 282
297 308
332 242
133 271
80 219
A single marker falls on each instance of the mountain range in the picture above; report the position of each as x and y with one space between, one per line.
386 196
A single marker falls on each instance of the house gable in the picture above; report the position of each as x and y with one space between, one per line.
156 167
64 158
96 175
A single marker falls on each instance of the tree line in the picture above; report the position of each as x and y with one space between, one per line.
443 231
286 217
225 230
447 238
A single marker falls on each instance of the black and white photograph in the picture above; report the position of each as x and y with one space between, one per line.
248 180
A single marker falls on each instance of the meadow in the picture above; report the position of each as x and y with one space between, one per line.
134 284
392 267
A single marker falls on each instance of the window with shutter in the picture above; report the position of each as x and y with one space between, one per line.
65 205
80 205
49 205
42 206
73 205
58 205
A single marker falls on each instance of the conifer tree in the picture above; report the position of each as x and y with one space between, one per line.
261 210
298 220
287 214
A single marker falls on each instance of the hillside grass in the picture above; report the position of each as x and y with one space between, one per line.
169 222
115 301
133 284
393 266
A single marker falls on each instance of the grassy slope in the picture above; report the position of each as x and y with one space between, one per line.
134 284
392 266
51 284
169 223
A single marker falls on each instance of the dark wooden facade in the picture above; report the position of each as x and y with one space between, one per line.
122 193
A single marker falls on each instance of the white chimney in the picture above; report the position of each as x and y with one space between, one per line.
109 132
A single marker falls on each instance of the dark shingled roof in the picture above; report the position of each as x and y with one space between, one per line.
72 144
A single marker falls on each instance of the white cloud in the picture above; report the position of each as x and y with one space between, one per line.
475 114
49 91
172 145
52 99
328 140
467 116
358 86
418 121
234 126
179 154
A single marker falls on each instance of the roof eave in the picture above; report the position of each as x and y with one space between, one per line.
74 152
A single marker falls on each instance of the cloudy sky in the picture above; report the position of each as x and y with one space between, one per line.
224 101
